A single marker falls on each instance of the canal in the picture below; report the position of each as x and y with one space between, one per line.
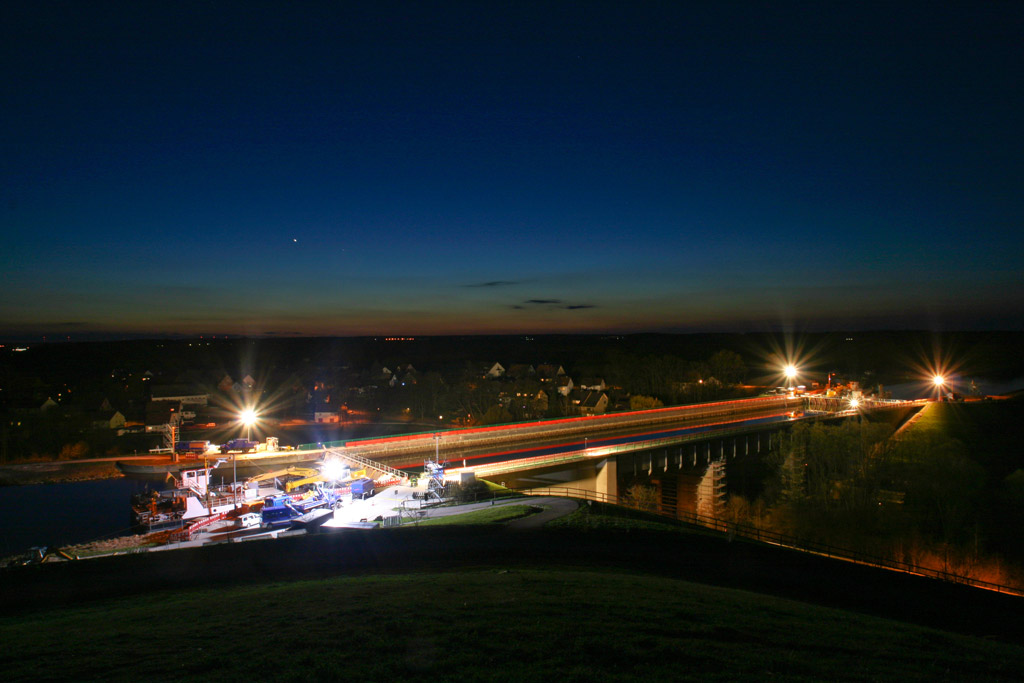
66 513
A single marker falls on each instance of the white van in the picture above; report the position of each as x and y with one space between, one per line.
249 519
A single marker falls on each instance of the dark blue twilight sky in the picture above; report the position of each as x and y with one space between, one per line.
428 168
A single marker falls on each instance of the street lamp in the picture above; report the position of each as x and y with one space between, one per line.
248 417
790 372
939 381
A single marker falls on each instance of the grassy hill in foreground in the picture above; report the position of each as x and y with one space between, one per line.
525 624
605 594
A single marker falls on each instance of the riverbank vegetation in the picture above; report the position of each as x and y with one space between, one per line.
947 493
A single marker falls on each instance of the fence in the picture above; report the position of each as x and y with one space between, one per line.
792 542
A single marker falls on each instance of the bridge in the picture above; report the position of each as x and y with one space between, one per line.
589 450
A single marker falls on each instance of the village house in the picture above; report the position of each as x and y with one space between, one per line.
326 413
520 371
549 373
109 419
494 372
593 403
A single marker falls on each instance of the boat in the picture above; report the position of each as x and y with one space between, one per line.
189 499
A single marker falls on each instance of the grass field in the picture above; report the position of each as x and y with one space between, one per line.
992 431
483 625
592 516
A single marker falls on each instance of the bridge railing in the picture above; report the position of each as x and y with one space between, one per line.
366 462
757 534
585 453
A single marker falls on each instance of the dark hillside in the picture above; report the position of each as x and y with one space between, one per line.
697 558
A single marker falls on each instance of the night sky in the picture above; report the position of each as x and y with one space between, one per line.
421 168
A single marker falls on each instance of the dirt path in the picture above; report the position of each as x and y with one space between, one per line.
557 507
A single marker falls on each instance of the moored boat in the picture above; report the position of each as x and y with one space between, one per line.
190 498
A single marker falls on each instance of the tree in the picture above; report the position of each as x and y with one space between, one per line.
496 414
641 497
942 486
640 402
727 367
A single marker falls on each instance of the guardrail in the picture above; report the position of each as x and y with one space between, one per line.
783 540
186 533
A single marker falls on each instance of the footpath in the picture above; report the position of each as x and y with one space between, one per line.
554 508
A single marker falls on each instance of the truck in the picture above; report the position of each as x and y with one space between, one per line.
239 446
281 508
193 447
363 488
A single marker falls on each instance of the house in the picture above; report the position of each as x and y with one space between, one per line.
563 384
593 403
109 419
593 384
540 402
322 409
159 413
495 371
326 413
520 371
548 373
525 388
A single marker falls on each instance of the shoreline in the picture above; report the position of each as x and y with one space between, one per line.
56 472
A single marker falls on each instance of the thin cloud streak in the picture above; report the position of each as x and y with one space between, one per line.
494 283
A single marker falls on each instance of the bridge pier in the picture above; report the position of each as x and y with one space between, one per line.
607 480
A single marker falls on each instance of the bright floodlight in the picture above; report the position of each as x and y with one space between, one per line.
248 416
939 380
855 403
790 371
333 470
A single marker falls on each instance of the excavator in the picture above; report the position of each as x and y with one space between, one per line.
297 476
